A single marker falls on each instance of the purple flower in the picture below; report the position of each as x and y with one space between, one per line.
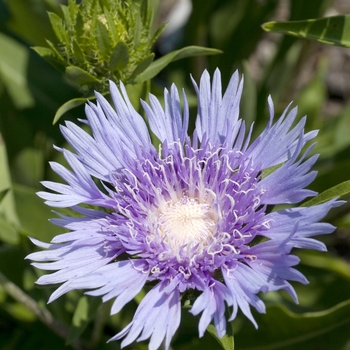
189 216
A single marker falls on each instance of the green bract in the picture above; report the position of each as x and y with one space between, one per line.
99 40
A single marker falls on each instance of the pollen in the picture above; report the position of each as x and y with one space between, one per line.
186 223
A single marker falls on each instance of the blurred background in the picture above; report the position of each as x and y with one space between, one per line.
315 76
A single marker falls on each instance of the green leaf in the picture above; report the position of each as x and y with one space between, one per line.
78 52
282 329
83 314
8 233
13 71
119 58
162 62
50 56
324 261
339 190
7 204
29 20
75 102
227 341
34 214
329 30
58 28
141 67
3 193
79 76
28 167
103 40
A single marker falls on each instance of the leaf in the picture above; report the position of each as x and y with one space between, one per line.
13 71
227 341
285 330
58 28
29 20
83 314
323 261
50 56
119 57
7 203
161 63
78 52
28 167
79 76
142 66
8 233
3 193
336 191
103 40
34 214
329 30
67 106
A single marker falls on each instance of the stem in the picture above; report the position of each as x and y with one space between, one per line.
43 315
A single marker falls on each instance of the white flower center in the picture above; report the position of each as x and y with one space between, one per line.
186 223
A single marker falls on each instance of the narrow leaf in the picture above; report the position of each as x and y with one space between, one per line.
58 28
329 30
79 76
141 67
119 57
339 190
161 63
103 40
49 56
67 106
78 52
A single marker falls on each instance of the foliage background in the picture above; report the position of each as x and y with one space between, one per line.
315 76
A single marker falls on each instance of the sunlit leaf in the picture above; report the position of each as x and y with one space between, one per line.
70 105
329 30
13 71
162 62
339 190
227 341
7 203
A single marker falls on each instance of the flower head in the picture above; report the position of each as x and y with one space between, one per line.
189 216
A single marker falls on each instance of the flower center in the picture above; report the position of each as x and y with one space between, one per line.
186 223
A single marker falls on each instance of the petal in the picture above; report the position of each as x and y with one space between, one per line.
157 317
212 303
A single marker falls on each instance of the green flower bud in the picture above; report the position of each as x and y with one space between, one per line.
99 40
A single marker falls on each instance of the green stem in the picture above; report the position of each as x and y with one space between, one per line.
43 315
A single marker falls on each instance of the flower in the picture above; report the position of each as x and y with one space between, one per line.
193 215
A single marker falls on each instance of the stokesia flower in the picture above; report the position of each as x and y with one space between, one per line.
194 215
